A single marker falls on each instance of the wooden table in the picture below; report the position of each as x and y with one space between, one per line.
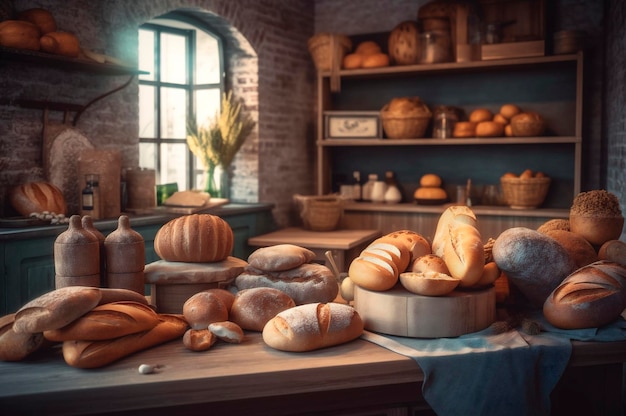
357 378
345 245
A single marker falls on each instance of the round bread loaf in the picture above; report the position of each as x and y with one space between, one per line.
430 180
590 297
535 263
254 307
280 257
196 238
580 249
403 43
428 193
204 308
509 110
480 114
613 250
353 60
37 197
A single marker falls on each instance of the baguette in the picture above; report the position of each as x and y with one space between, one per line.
455 213
590 297
110 295
56 309
15 346
112 320
94 354
464 253
313 326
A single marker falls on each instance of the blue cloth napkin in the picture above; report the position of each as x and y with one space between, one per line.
491 372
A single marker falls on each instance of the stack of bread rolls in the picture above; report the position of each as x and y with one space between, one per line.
367 54
430 190
508 121
289 268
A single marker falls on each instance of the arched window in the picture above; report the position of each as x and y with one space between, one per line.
185 77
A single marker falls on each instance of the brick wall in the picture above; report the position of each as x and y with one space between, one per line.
267 62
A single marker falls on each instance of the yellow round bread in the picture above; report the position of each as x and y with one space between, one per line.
489 129
353 61
430 180
509 110
376 60
464 129
430 193
499 118
480 114
367 47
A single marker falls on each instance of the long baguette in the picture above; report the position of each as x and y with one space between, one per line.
590 297
313 326
464 253
108 321
93 354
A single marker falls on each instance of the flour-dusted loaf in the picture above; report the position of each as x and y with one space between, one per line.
313 326
196 238
590 297
307 283
93 354
111 320
280 257
56 308
37 197
17 346
253 307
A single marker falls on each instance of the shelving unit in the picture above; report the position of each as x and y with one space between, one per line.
550 85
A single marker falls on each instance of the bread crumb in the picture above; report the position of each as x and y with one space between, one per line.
598 202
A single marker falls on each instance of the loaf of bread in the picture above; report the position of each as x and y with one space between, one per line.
93 354
455 213
489 129
61 43
253 307
533 262
55 309
463 129
430 194
403 43
37 197
429 263
196 238
480 114
313 326
280 257
590 297
110 295
376 60
42 18
19 34
108 321
580 249
309 282
204 308
17 346
417 244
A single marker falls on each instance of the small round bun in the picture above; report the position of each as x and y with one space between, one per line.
480 114
376 60
436 194
367 47
489 129
499 118
509 110
204 308
254 307
353 61
464 129
430 180
430 263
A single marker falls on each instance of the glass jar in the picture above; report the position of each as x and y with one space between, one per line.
444 119
436 47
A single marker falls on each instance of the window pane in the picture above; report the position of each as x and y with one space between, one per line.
207 104
147 116
147 155
207 59
173 58
174 164
146 54
173 113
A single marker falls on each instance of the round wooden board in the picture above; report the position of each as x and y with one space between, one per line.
400 312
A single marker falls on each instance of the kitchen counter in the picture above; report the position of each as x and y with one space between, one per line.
253 379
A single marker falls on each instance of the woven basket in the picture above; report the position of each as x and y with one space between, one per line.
320 213
406 125
525 193
328 50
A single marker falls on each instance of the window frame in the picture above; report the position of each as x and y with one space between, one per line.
186 26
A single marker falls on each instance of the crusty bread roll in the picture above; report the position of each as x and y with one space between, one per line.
373 273
464 253
108 321
55 309
613 250
429 193
196 238
509 110
463 129
499 118
110 295
489 129
580 249
532 261
309 282
417 244
280 257
227 331
254 307
225 296
199 339
204 308
430 180
454 213
93 354
367 47
376 60
313 326
37 197
480 114
61 43
590 297
353 61
14 346
429 263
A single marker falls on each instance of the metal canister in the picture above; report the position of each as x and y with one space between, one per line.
444 118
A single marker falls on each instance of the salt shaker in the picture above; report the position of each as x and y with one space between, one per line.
76 257
125 257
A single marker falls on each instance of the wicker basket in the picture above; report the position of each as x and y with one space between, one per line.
525 193
328 50
320 213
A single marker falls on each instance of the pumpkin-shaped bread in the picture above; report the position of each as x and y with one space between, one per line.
196 238
37 197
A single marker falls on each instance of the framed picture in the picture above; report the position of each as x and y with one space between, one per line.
352 125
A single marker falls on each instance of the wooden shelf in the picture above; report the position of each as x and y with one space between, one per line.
449 142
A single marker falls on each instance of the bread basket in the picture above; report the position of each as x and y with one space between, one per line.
327 49
528 125
320 213
525 193
405 118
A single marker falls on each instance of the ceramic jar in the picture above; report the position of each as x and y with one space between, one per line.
125 257
76 257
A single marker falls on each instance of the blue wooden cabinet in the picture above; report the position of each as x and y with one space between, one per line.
27 256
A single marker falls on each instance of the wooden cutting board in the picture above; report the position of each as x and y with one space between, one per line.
400 312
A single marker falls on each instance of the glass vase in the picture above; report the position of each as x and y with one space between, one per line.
217 182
